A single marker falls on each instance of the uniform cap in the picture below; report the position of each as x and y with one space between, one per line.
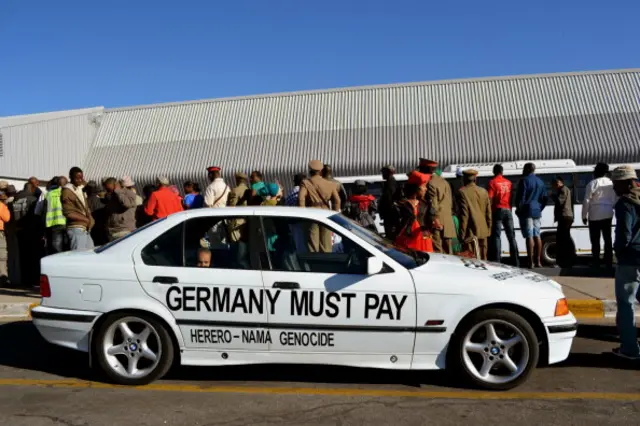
470 172
240 175
213 169
623 173
427 163
316 165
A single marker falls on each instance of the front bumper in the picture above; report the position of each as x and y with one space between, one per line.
64 327
560 333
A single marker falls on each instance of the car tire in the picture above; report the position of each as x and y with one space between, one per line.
136 347
467 361
549 246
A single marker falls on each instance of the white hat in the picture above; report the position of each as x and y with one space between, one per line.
623 173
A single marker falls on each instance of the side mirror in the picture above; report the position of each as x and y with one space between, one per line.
374 266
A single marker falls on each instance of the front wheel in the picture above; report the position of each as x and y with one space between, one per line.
133 349
494 349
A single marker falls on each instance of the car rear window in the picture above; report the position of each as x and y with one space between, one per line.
114 242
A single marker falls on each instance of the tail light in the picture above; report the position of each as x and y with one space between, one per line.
45 288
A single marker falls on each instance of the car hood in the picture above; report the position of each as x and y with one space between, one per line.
462 272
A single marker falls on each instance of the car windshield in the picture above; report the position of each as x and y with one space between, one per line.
404 256
114 242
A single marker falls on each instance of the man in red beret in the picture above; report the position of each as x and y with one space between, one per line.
217 192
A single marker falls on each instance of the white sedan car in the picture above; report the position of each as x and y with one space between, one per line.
252 285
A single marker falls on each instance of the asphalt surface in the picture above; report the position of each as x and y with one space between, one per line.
45 385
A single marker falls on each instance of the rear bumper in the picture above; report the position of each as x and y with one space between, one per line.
64 327
560 334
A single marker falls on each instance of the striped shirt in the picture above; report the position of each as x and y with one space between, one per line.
292 198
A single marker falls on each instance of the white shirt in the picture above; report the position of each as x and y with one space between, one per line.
599 199
216 194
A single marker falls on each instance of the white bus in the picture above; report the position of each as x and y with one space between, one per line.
575 177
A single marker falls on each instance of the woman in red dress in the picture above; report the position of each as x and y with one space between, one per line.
413 209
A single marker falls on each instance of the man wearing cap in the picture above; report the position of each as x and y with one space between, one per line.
627 249
387 206
317 192
475 213
164 201
127 183
238 236
440 202
217 192
427 168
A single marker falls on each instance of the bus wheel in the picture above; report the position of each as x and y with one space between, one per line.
549 254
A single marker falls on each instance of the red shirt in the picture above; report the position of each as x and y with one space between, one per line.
162 203
500 193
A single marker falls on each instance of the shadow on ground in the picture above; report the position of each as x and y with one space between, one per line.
22 347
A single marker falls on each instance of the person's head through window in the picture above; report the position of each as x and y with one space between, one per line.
528 169
601 170
204 258
498 170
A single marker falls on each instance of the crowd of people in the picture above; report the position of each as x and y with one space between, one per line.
427 213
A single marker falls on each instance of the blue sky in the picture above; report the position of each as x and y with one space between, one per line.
67 54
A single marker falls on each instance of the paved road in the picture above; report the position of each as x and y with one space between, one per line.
44 385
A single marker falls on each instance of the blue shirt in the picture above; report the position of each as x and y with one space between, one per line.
193 201
531 197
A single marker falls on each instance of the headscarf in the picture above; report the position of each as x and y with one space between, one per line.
417 178
273 189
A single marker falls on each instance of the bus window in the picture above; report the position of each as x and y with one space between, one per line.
582 179
548 182
484 181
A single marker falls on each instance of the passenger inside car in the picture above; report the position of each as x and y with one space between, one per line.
204 258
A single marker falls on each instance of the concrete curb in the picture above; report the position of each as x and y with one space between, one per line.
582 309
15 311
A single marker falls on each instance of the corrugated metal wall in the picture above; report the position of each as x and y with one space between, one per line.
588 117
49 147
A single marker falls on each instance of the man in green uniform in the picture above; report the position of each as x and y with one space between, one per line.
320 193
475 214
440 201
238 236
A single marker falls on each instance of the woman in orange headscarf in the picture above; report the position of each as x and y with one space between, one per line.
413 210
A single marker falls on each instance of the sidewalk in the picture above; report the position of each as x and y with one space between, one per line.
588 297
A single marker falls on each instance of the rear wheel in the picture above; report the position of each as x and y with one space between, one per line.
133 349
494 349
549 250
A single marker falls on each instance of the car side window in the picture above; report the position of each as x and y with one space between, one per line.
165 250
217 242
287 248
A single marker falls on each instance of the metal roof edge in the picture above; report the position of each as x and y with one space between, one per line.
49 116
377 86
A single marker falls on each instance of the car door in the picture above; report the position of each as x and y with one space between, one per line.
328 304
202 270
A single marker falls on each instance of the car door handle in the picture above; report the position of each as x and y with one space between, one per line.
165 280
286 285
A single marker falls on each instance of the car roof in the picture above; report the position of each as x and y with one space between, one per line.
311 213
